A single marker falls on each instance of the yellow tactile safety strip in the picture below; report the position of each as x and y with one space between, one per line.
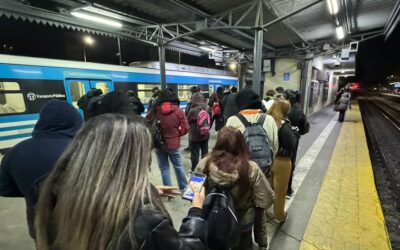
348 213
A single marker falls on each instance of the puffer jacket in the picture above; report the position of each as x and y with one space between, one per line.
344 101
198 103
298 119
250 206
173 124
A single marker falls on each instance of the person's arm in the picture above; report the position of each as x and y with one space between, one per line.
8 187
184 126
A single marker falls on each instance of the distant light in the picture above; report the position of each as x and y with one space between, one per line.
340 32
207 49
97 19
88 40
232 66
343 71
333 6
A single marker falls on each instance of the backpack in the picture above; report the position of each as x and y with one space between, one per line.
203 122
216 108
156 135
223 224
258 142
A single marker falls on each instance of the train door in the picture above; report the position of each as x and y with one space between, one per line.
75 88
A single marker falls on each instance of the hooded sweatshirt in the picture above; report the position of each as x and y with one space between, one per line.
34 158
251 205
173 124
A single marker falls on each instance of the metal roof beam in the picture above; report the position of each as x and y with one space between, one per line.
392 21
197 11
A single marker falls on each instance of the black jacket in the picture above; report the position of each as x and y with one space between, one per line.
25 164
287 140
229 105
153 230
298 119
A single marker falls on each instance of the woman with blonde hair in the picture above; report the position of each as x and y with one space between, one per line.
282 166
99 195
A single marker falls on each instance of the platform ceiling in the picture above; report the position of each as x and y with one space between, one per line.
314 23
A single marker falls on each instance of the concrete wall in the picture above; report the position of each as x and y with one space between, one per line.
283 65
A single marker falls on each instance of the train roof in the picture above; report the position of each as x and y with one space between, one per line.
46 62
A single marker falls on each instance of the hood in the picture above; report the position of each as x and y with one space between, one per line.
57 118
248 99
198 99
221 178
167 108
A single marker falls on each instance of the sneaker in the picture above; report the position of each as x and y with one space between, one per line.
187 149
289 195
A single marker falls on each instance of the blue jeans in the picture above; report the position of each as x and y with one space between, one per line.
175 156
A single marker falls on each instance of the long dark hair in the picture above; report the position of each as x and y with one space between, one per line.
166 95
97 186
231 154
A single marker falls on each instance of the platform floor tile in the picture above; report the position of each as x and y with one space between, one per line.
348 213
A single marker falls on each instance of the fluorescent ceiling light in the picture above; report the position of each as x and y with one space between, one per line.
207 49
333 6
340 32
97 19
88 40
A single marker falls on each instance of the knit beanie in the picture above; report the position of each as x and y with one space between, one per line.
248 99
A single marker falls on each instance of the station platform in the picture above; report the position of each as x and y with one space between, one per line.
335 205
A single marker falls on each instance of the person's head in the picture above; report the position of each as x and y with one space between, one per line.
155 90
270 93
94 92
58 118
131 93
279 110
247 99
97 185
220 91
226 88
280 89
167 95
230 154
113 102
194 89
291 96
234 89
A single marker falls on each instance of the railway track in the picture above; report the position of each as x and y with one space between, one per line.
383 135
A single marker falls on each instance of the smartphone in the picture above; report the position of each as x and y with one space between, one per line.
197 181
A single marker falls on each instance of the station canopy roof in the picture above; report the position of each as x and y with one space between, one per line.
205 21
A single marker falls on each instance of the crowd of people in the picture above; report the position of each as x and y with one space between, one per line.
86 183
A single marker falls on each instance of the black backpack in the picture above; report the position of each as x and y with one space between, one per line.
158 141
223 223
258 142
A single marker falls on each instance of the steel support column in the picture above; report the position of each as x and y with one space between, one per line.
257 61
161 57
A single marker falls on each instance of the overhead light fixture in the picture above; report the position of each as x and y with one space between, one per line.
207 49
233 66
333 6
97 19
343 71
340 32
88 40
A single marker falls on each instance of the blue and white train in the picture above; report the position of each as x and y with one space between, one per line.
27 83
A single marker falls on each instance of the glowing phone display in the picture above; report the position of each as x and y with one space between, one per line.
196 181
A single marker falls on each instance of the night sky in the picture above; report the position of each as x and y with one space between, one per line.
376 58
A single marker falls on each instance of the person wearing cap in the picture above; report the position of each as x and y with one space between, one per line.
249 105
156 92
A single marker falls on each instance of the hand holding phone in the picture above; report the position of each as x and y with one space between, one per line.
195 185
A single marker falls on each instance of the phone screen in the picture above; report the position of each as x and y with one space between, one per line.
196 181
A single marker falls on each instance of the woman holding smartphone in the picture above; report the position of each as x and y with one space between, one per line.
228 166
99 195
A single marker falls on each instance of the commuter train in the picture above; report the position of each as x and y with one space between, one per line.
27 83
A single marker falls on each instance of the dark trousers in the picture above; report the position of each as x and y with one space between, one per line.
195 148
293 160
219 122
246 241
341 115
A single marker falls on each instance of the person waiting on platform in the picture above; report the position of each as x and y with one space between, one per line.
228 166
344 103
199 126
269 99
99 195
27 164
279 92
215 104
136 104
86 101
300 126
156 93
281 167
229 104
173 125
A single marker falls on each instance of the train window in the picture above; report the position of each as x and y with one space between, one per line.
11 99
184 92
103 86
144 91
77 90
